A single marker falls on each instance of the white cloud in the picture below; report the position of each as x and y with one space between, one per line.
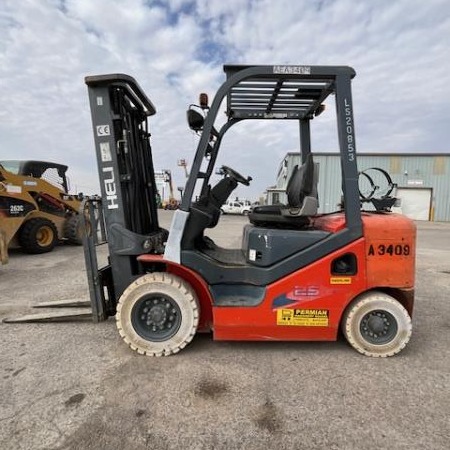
175 49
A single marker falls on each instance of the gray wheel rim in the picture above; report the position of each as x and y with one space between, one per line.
156 317
378 327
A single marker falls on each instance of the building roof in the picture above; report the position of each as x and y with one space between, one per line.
375 154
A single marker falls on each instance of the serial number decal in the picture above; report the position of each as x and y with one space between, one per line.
349 130
389 250
296 70
303 317
275 115
340 280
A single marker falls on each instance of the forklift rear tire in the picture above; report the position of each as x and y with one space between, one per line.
158 314
38 236
376 324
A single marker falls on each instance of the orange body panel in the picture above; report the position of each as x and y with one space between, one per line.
310 288
385 260
390 250
308 304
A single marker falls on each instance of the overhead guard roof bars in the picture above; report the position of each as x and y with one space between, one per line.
289 92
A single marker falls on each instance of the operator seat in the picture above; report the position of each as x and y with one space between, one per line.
302 200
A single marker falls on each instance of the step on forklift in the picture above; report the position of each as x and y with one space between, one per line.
298 276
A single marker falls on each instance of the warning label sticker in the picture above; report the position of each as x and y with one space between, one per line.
105 152
303 317
340 280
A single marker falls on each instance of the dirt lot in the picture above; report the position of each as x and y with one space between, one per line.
77 386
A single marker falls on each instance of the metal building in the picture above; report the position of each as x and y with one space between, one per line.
422 181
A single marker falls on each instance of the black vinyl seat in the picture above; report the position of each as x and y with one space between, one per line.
302 200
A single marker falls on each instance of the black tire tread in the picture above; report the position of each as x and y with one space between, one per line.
72 230
28 233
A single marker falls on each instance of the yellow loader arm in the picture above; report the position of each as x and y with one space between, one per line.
3 248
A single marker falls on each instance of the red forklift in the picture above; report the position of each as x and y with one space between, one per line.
298 276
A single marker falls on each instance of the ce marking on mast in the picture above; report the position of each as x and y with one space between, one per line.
103 130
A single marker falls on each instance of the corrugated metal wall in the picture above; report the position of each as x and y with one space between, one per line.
419 171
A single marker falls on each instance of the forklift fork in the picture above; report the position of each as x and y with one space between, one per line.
97 307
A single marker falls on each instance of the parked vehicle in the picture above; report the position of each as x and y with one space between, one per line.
235 207
36 209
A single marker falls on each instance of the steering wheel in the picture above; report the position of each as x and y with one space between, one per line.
236 175
374 188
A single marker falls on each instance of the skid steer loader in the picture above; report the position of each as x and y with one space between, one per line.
36 210
298 275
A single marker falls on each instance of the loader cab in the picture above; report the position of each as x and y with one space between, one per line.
54 173
281 238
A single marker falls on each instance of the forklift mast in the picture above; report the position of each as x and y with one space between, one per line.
119 110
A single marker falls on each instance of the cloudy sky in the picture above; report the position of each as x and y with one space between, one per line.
400 50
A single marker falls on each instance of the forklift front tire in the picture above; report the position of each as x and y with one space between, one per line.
158 314
377 325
